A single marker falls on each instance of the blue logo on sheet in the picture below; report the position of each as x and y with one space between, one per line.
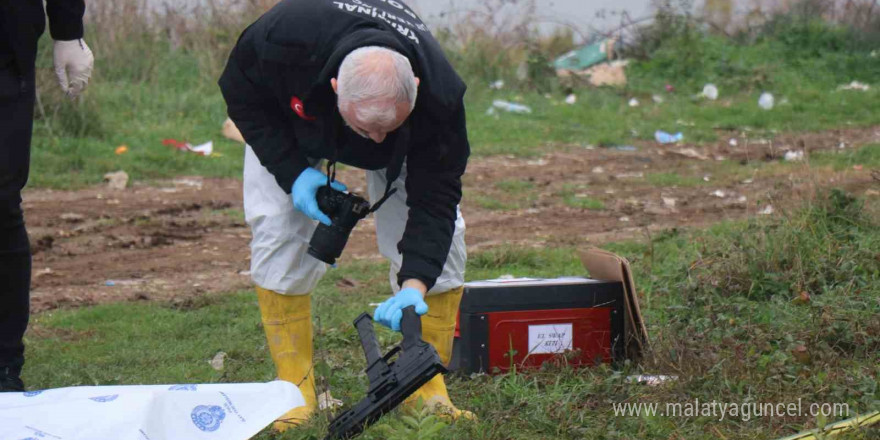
104 399
189 387
208 418
32 394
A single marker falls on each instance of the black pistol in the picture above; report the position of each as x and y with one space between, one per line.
390 382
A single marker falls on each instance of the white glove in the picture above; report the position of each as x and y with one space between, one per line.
73 65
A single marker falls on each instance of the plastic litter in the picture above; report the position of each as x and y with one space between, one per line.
733 142
586 56
667 138
571 99
510 106
670 88
766 101
633 102
117 180
122 149
767 210
657 99
855 85
794 156
651 379
497 85
607 74
204 149
718 193
710 92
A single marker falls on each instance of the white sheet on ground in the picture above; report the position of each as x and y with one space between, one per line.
146 412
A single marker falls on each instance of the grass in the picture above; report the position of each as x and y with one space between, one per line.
572 198
139 115
148 87
867 156
505 195
673 179
514 185
723 306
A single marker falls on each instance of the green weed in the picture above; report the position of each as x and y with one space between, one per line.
726 339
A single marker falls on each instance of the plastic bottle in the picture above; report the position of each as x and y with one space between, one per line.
666 138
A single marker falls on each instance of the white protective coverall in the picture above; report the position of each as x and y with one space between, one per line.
281 233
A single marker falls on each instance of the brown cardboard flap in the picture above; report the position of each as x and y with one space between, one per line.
604 265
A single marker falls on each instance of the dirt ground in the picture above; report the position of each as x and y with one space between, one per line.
176 240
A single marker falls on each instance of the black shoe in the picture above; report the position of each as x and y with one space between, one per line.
10 381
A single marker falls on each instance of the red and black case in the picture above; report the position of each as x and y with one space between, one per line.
577 320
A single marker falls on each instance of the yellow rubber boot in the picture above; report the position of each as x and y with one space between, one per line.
287 321
438 329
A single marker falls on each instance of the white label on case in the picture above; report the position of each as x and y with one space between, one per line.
552 338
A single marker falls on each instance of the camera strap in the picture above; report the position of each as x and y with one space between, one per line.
331 176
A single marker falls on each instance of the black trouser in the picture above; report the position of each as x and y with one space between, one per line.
16 122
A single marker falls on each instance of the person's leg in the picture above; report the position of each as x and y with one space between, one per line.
284 275
17 107
438 325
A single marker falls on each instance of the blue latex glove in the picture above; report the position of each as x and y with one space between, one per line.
390 312
303 193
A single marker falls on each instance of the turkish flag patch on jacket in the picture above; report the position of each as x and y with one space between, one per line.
297 106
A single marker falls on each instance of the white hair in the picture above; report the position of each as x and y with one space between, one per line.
376 78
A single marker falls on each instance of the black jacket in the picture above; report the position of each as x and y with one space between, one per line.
288 57
23 21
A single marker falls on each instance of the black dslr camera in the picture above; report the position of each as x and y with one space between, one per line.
344 210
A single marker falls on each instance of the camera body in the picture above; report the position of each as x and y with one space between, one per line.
344 210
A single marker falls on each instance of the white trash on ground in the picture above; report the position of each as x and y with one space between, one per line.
667 138
511 106
117 180
794 156
766 101
147 412
855 85
710 92
651 379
